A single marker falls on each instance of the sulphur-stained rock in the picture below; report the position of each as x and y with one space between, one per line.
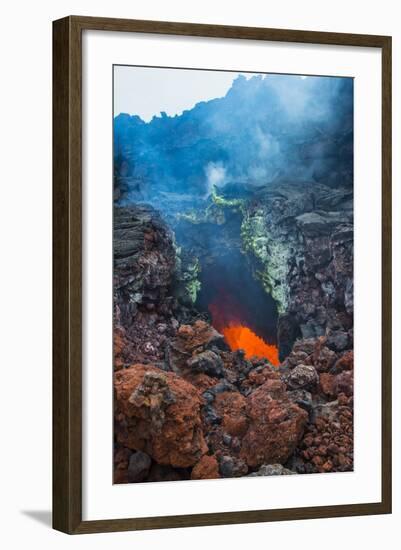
206 468
159 413
302 376
275 427
138 467
272 470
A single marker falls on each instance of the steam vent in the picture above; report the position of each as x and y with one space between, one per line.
233 282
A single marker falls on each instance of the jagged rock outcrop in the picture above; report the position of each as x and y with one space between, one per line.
144 261
144 268
301 236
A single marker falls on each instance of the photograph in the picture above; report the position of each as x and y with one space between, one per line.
233 286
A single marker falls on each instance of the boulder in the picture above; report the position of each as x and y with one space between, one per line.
159 413
302 377
276 425
206 362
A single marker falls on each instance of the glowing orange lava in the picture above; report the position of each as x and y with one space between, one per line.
240 337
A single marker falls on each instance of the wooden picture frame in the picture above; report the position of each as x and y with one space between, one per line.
67 273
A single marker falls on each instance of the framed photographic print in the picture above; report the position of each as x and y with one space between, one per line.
222 274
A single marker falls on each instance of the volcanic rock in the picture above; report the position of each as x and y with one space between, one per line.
206 468
302 240
207 362
123 349
332 385
303 399
143 260
231 408
328 384
338 340
327 444
345 362
271 470
323 358
138 467
232 467
275 426
159 413
302 376
191 341
121 461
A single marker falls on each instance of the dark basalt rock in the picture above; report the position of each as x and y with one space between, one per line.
138 467
303 399
208 362
232 467
338 340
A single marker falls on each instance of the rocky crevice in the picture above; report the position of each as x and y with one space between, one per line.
188 407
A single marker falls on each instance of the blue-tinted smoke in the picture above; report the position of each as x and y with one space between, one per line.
271 128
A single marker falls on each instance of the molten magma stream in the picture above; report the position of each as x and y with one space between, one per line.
240 337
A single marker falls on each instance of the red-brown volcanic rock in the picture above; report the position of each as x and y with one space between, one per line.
328 442
206 468
275 426
231 406
159 413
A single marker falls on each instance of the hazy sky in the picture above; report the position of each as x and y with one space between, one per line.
146 91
